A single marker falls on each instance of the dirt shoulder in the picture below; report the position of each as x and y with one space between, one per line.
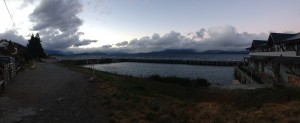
50 93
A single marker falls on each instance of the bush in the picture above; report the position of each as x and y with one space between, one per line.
155 77
202 82
176 80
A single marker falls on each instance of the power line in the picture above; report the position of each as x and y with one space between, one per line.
9 14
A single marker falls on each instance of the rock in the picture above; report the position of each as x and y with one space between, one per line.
92 79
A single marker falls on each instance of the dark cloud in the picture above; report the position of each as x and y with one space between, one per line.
106 46
124 43
216 38
58 23
84 42
59 14
200 33
13 36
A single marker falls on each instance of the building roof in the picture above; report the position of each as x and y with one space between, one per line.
280 37
275 38
257 43
294 38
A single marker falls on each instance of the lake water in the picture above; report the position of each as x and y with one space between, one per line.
214 74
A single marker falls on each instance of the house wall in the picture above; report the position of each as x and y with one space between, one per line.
283 74
268 69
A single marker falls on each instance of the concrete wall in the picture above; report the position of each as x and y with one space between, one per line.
290 77
268 69
283 74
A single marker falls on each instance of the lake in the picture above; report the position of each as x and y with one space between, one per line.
214 74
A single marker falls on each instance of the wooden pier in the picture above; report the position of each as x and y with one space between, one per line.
163 61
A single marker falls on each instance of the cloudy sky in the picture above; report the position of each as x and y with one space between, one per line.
147 25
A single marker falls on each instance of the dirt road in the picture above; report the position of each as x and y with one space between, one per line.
49 93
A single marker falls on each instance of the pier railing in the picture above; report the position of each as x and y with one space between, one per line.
164 61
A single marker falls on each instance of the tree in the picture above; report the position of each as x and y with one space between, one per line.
35 48
10 47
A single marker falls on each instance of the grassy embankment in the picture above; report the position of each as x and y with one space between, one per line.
153 100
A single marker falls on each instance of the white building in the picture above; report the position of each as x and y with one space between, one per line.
276 60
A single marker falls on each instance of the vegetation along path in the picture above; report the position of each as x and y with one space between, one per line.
49 93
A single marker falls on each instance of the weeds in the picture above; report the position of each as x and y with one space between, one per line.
181 81
168 99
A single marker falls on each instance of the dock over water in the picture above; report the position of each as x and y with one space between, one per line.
162 61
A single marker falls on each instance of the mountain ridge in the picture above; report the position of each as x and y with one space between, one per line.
163 52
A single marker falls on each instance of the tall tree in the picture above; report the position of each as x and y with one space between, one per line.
10 47
35 47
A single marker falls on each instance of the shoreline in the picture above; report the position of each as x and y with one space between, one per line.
143 70
221 85
140 100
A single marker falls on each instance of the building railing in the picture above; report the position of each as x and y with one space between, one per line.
284 54
251 73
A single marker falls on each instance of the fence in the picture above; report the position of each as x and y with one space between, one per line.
7 71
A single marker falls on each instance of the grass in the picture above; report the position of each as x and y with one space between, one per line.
165 99
31 64
180 81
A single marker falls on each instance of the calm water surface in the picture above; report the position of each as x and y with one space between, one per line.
214 74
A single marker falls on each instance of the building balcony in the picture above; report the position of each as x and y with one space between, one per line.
284 54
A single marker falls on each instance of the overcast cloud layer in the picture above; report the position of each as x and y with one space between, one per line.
58 23
215 38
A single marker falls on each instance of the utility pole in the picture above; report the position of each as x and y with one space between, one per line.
251 75
93 72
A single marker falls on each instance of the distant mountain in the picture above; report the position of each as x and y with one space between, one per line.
57 52
190 52
224 52
93 53
170 52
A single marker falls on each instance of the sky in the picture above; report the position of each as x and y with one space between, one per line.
134 26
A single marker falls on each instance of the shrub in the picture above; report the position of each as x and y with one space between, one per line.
180 80
155 77
202 82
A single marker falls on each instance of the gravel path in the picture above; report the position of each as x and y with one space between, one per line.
50 93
